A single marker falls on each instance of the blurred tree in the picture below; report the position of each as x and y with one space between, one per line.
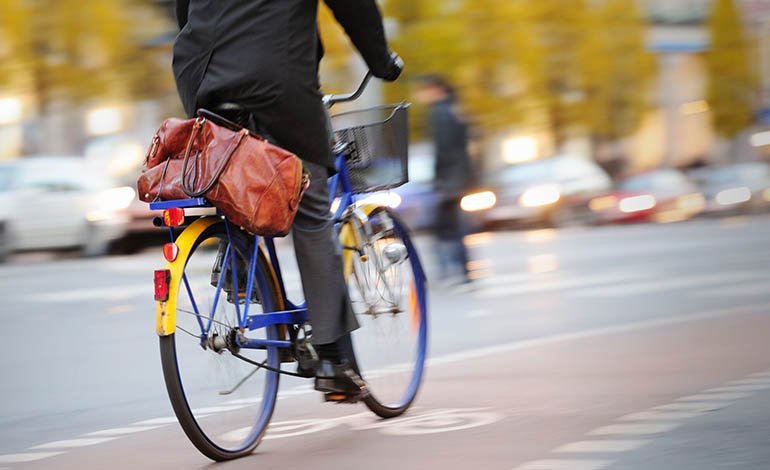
335 67
513 62
79 50
580 68
429 35
617 71
732 83
549 37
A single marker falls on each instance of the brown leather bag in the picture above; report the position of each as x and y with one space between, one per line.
254 183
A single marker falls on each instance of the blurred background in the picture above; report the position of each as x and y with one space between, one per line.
617 230
617 87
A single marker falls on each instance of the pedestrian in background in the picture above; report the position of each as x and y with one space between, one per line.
453 175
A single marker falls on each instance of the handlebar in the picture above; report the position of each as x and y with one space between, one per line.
331 100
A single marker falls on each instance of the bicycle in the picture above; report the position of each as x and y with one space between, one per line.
221 354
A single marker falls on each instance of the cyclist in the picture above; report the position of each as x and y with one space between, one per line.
263 55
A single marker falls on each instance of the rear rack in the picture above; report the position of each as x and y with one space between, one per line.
191 202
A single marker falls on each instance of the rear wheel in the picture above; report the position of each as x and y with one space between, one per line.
223 403
388 295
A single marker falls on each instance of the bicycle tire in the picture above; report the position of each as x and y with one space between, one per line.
180 402
388 405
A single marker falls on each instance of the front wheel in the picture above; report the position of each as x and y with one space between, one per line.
223 403
389 297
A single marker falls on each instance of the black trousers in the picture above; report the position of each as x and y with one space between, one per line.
319 258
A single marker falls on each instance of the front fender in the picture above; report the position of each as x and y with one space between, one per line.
349 237
165 312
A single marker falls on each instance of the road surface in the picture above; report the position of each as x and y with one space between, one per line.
631 347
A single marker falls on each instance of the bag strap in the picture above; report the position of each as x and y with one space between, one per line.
228 155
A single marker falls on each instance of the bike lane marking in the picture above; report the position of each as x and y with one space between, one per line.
603 446
122 431
565 464
74 443
651 423
26 457
425 422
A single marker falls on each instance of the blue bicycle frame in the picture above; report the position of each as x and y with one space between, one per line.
294 314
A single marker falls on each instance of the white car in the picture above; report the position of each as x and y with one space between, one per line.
59 202
550 192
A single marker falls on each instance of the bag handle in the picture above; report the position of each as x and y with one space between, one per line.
197 127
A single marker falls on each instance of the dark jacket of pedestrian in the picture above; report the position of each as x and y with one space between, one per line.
263 55
454 172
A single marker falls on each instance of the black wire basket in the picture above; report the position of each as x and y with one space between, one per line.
378 146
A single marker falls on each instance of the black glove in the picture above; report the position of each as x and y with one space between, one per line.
394 68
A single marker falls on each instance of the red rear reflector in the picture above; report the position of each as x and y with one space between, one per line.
162 280
170 251
173 217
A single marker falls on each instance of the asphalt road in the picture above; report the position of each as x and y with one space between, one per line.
630 347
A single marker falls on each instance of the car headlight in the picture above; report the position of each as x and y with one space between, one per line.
478 201
111 201
540 196
636 203
117 198
728 197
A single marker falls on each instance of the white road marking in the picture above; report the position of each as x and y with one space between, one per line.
753 380
739 388
440 421
640 428
700 407
122 431
603 446
70 443
565 464
217 409
96 293
715 396
741 290
669 284
556 284
520 277
154 421
26 457
659 415
590 333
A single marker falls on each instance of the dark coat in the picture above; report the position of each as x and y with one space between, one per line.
264 54
454 171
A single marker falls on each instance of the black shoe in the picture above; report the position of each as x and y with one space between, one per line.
339 382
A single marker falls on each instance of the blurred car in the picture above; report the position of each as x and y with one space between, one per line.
60 202
661 196
737 188
552 192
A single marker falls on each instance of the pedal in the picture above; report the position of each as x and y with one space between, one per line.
341 398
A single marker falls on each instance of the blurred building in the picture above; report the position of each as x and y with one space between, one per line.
679 131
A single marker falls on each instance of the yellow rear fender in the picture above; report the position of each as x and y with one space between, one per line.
165 312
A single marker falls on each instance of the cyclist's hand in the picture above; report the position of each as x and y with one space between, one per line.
395 66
